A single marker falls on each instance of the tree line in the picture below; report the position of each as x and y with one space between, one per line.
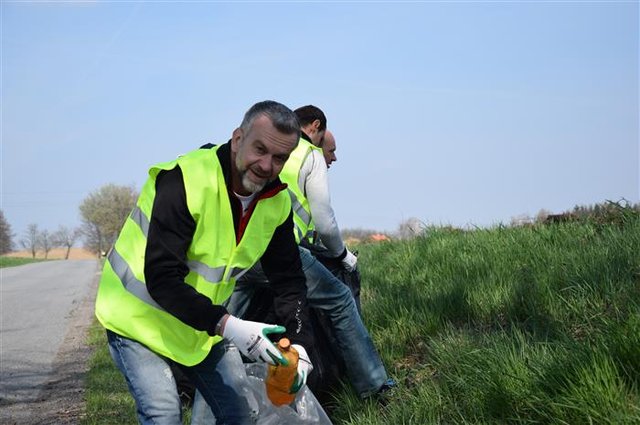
103 213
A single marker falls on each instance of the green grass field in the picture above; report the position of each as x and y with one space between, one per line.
108 400
13 261
526 325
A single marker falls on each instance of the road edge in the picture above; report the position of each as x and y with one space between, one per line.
61 400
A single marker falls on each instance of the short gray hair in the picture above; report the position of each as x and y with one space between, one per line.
282 118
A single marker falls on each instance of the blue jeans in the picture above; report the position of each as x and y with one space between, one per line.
152 385
326 292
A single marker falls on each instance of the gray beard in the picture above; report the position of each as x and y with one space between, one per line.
249 185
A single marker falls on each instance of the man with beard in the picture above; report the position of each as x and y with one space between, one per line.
200 222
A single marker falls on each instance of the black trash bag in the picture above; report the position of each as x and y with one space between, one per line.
186 390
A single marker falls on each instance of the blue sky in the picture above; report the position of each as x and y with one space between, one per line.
462 113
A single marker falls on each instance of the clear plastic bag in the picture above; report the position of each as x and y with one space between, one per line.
305 410
249 379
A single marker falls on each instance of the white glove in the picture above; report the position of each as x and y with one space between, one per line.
304 368
251 339
349 261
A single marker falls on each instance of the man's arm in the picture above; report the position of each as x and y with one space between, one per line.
171 231
316 188
282 266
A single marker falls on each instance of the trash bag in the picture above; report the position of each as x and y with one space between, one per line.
186 390
305 410
248 379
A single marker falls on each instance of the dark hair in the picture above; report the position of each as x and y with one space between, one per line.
282 118
308 114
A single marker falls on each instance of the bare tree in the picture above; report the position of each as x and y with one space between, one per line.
31 239
6 236
46 242
93 239
103 214
66 238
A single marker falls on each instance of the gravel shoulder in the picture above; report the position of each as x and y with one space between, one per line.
61 399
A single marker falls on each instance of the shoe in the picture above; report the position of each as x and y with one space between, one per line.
388 385
381 396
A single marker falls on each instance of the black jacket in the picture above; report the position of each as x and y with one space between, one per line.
171 231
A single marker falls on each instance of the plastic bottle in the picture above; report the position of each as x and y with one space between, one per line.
280 378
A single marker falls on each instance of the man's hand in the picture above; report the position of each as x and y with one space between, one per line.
349 261
304 368
251 339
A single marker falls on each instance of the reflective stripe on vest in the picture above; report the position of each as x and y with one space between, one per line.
301 214
139 289
140 219
128 279
213 275
290 174
214 258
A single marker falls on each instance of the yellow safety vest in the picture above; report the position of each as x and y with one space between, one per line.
214 258
304 226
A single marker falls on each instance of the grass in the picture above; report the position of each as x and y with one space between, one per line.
14 261
521 325
107 397
524 325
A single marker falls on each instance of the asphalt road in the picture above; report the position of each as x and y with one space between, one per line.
37 302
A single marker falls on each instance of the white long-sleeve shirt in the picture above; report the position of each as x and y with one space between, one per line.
313 180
